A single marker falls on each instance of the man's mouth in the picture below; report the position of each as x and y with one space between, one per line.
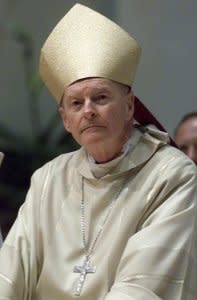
90 127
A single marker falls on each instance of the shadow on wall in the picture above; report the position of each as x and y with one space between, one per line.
23 155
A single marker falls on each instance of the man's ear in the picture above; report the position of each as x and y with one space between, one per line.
64 118
130 105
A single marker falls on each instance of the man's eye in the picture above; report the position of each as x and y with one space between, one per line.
101 98
75 103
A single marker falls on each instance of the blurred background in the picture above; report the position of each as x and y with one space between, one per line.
30 128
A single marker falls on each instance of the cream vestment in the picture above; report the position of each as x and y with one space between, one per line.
147 249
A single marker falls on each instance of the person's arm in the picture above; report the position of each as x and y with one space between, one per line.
159 261
19 253
1 238
1 157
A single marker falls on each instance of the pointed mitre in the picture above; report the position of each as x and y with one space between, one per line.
87 44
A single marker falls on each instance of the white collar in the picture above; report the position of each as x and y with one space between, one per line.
100 170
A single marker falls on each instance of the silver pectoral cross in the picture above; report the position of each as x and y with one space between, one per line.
83 270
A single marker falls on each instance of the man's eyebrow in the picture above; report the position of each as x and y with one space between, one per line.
102 90
95 89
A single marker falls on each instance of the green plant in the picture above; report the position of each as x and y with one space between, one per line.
24 155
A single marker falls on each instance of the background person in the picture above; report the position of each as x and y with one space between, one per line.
186 135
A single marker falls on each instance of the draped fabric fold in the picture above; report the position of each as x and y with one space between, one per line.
147 249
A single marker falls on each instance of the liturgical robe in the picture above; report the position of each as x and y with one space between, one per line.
147 247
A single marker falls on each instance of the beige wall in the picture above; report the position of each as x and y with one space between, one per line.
166 79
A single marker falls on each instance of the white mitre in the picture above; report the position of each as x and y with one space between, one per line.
87 44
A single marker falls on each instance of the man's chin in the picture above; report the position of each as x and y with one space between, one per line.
92 139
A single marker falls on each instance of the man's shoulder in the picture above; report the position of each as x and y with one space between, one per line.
59 163
172 158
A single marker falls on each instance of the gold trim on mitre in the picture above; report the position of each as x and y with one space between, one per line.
87 44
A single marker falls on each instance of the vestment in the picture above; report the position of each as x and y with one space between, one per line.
147 249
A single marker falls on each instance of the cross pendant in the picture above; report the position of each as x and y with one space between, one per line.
83 270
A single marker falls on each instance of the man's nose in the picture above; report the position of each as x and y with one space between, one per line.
89 109
192 153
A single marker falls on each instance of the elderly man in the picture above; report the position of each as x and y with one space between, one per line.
186 135
117 218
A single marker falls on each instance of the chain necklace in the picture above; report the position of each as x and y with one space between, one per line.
86 267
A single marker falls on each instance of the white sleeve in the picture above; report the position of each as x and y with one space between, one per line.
159 260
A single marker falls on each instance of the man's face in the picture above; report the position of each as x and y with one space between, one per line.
186 138
96 110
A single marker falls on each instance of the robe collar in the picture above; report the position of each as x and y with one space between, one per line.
145 142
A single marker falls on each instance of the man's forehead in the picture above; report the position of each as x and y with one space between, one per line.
98 81
189 125
187 132
95 83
